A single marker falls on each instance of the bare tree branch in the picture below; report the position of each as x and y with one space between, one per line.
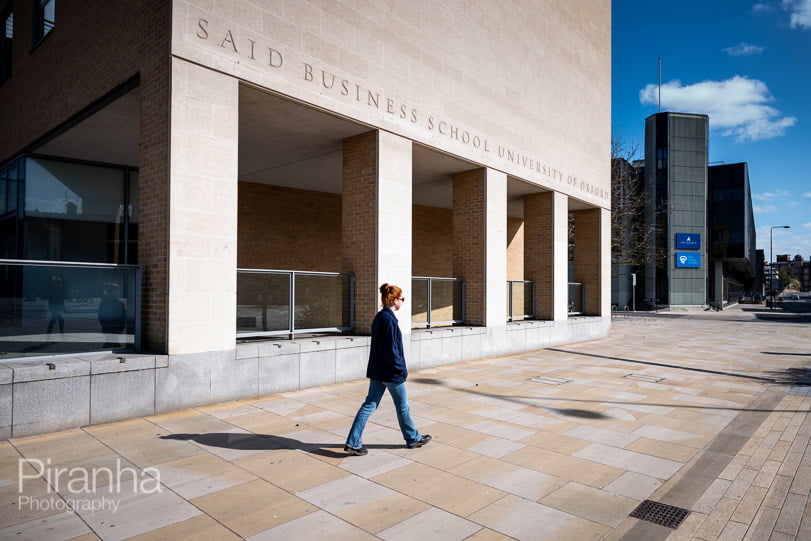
631 237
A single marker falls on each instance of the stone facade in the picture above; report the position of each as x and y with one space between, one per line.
507 104
457 94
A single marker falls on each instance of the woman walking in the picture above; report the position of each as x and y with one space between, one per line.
386 370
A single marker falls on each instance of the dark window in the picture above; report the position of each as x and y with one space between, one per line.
79 212
661 158
44 19
7 17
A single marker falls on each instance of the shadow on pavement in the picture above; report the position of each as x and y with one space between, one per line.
262 442
534 401
792 376
664 365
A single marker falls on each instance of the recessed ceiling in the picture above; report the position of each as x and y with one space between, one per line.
110 135
281 142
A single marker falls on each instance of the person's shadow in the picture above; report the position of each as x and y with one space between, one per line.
261 442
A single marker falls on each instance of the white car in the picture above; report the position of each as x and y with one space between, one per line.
795 297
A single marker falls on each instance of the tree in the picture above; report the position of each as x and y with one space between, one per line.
786 279
632 238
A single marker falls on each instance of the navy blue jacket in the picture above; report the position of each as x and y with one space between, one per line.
386 358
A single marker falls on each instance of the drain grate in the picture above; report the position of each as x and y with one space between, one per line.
643 377
660 513
549 380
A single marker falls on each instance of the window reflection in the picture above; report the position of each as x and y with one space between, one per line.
78 212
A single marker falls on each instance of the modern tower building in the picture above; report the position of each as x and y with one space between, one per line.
731 230
676 183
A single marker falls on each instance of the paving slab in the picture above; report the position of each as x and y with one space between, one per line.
559 443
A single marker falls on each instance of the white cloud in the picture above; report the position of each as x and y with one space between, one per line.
771 196
785 241
764 209
737 106
807 194
743 49
761 7
800 11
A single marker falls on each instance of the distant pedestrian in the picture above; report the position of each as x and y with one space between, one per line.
386 370
56 304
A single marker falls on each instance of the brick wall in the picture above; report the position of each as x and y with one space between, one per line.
359 224
153 175
273 233
95 47
468 240
539 256
285 228
587 270
432 244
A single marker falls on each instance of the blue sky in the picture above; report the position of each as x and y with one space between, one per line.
747 65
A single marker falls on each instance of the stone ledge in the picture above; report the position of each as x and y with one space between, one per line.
48 368
111 363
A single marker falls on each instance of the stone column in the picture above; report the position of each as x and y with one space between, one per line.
480 244
203 210
592 258
546 252
376 221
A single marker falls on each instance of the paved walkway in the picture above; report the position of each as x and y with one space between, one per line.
704 411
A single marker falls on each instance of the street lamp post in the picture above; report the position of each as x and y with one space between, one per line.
771 259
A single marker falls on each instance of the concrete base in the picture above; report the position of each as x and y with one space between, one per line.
47 394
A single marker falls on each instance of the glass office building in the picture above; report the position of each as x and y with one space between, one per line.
732 233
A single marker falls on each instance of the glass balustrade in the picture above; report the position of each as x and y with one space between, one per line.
52 308
437 301
279 302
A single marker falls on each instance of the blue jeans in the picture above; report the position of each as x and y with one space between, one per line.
376 390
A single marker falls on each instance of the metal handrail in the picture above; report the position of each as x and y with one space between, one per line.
291 328
428 309
510 315
45 263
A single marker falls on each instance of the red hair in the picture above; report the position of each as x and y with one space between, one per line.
389 294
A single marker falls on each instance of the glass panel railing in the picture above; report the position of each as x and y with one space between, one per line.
520 300
577 298
263 302
442 297
320 301
437 301
50 308
419 302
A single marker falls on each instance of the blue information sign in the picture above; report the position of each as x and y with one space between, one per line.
688 241
688 260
